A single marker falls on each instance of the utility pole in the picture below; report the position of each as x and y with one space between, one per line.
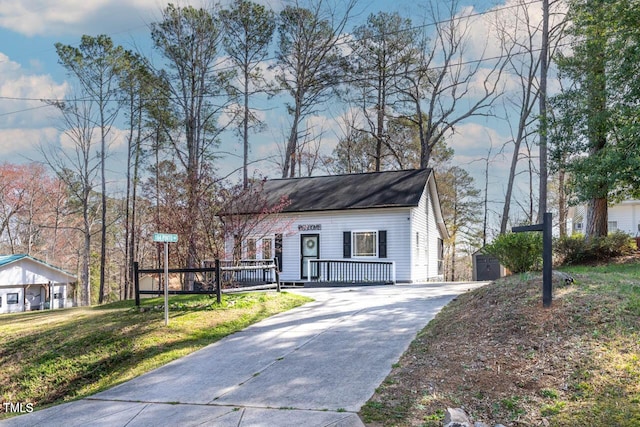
544 55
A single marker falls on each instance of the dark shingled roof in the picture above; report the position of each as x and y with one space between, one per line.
353 191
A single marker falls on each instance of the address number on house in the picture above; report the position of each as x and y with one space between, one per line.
309 227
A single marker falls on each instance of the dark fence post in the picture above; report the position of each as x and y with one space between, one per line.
136 283
218 282
547 272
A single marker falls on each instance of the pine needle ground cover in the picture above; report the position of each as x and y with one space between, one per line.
497 353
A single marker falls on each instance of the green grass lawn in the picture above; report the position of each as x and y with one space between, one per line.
49 357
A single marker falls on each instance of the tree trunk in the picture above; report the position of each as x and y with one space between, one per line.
425 148
245 131
562 204
507 197
485 202
133 253
544 52
380 122
103 178
597 218
86 257
289 167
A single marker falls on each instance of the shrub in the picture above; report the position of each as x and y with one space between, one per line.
578 249
519 252
570 249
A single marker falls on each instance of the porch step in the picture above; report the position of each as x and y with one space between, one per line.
343 284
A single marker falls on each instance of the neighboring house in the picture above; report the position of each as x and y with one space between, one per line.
381 219
27 283
624 216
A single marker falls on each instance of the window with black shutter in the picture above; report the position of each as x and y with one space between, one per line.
382 243
346 244
278 247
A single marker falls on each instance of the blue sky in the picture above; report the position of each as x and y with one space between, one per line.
29 71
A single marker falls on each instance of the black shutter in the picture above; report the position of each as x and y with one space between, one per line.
279 251
346 244
382 244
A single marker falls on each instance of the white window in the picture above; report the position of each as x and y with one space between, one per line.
266 248
613 226
578 226
365 243
12 298
251 249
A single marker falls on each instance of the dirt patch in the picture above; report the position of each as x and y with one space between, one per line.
502 357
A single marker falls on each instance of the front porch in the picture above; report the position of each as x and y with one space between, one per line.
345 272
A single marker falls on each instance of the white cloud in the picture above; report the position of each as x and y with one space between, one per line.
46 17
21 92
22 144
475 139
116 140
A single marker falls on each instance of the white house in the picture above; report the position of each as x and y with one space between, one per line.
623 216
27 283
348 228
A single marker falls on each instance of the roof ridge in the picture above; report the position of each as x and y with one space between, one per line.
348 174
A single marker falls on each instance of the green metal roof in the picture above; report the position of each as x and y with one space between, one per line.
7 259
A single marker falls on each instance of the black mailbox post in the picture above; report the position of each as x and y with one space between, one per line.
545 227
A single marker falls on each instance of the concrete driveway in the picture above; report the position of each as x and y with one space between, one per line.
315 365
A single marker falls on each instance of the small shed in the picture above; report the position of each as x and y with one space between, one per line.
27 283
486 267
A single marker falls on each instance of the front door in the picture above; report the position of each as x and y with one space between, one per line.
309 249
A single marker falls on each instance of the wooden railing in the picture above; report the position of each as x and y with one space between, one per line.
350 271
218 276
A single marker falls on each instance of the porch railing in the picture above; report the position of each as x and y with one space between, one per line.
217 276
247 272
349 271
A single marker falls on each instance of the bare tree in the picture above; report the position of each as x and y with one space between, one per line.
354 152
460 208
249 29
519 36
95 63
78 168
308 62
450 90
189 38
249 213
381 49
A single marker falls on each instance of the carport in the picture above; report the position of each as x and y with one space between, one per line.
27 283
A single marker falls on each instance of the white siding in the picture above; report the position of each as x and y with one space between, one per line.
423 222
12 308
33 278
401 224
27 271
36 297
395 221
626 215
